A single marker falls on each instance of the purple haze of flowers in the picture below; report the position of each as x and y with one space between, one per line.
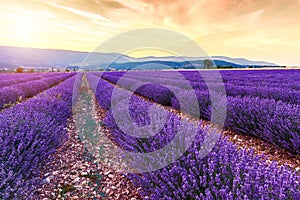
225 173
103 92
10 94
263 84
271 114
29 133
11 79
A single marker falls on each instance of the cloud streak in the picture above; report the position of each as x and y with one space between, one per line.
81 13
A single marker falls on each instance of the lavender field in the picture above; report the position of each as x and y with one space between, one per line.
174 132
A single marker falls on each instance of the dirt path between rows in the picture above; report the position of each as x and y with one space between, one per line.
80 169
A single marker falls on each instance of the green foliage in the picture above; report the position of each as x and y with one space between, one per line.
225 67
19 70
208 64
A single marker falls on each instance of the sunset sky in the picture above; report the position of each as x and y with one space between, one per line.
267 30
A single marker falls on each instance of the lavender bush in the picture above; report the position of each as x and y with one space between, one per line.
225 173
29 133
271 113
10 94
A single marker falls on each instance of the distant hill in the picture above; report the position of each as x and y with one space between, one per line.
12 57
16 56
237 61
158 64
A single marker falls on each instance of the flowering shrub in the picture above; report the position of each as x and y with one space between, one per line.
29 133
270 113
10 94
225 173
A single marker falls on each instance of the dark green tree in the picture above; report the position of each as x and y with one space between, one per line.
19 70
208 64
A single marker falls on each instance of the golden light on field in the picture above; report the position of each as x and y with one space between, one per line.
258 30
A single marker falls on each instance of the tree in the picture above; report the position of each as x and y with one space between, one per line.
19 70
208 64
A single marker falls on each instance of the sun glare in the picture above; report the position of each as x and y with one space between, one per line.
23 28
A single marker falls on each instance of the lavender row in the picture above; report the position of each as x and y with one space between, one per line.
225 173
11 79
288 79
269 84
11 94
11 76
274 121
8 82
29 133
254 78
278 92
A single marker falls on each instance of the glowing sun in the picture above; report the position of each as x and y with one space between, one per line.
24 28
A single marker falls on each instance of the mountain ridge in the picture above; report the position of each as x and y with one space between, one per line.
12 57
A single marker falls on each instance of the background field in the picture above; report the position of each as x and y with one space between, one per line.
50 121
